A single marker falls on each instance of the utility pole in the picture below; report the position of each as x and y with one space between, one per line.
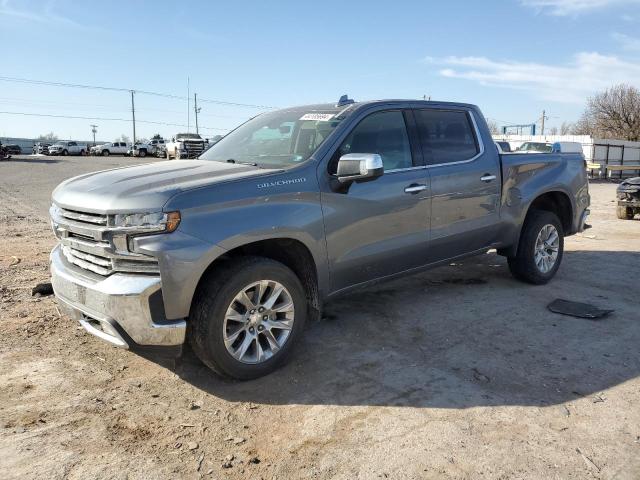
196 110
544 117
188 107
133 116
94 129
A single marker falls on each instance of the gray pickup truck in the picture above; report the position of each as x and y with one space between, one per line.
233 251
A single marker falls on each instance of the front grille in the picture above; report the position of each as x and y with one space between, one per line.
90 242
93 263
193 148
82 217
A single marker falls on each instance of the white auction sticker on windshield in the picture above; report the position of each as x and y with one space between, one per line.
318 117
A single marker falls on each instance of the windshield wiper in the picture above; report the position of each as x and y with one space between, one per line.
231 160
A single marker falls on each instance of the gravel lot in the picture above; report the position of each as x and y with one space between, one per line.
460 372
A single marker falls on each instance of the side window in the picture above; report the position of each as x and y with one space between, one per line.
72 144
383 133
446 136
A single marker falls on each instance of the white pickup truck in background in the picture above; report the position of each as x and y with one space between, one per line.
111 148
186 145
67 148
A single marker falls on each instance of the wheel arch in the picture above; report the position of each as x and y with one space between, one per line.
555 201
289 251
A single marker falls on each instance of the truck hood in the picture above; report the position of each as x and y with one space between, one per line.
145 187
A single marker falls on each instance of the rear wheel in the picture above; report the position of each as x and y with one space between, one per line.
105 153
540 249
142 153
64 153
246 317
624 213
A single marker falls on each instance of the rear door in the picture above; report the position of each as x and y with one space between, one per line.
465 182
381 227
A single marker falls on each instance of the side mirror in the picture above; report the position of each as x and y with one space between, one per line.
359 167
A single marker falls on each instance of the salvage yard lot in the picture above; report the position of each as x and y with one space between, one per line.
460 372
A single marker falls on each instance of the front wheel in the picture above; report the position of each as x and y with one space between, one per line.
246 317
624 213
142 153
540 249
105 153
65 153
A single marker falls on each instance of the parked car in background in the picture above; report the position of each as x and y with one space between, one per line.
535 147
111 148
235 251
185 145
161 151
40 148
12 149
628 194
67 148
149 148
503 147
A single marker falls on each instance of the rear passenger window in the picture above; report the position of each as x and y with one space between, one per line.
446 136
383 133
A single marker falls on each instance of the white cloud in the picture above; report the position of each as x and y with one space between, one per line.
573 7
586 74
627 42
43 15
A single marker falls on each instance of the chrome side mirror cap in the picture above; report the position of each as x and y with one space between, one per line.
359 167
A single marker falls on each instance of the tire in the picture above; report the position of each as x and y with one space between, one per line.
177 154
142 153
624 213
106 153
208 326
168 155
524 265
64 153
82 153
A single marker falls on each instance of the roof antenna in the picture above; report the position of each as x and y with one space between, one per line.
344 100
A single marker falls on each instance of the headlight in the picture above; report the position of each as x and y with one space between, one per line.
153 221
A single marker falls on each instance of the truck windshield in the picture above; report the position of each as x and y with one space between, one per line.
277 139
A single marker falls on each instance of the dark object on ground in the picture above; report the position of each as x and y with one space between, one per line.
465 281
577 309
628 194
42 289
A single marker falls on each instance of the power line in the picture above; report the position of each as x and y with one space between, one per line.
75 117
118 89
101 106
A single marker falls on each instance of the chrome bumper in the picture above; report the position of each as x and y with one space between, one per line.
122 309
583 220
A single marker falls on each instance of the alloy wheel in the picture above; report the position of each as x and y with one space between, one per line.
546 248
258 322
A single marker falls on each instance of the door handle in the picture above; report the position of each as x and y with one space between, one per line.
415 188
487 178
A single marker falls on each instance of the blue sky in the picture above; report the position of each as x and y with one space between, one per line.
514 58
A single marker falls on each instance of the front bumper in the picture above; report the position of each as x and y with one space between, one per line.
123 309
583 220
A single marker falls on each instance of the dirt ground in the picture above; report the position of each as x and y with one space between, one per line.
460 372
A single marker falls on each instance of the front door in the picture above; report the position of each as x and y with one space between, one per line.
381 227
